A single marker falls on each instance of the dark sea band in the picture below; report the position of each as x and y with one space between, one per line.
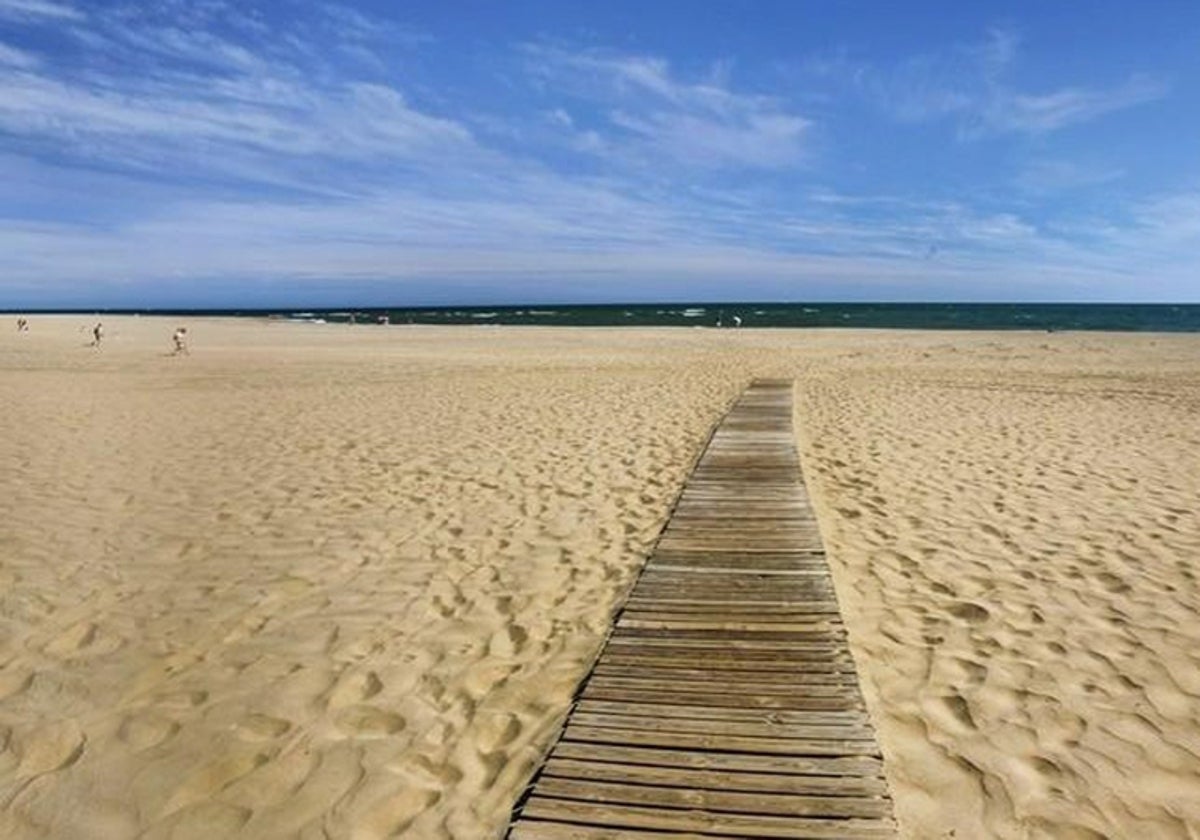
918 316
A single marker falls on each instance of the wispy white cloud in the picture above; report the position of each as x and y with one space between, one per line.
1052 176
13 57
35 9
971 83
651 115
530 224
352 120
1173 218
1037 113
157 96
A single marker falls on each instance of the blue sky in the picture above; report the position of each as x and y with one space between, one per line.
206 153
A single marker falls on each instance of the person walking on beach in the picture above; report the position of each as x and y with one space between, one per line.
22 325
97 334
180 339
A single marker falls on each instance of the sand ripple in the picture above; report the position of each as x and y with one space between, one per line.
333 582
1018 553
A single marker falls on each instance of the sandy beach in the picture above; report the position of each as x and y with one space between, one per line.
331 581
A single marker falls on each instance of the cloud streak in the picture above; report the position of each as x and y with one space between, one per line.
34 10
159 98
653 116
971 84
1037 113
13 57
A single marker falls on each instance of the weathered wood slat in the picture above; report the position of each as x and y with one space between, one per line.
738 647
761 729
800 805
694 612
667 711
714 685
569 768
784 676
702 741
726 698
720 824
725 702
856 766
785 636
813 665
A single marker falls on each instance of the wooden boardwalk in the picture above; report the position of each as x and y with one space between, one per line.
725 702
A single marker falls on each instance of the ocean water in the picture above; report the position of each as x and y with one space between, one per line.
955 316
941 316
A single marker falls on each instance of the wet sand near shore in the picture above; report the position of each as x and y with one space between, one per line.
322 580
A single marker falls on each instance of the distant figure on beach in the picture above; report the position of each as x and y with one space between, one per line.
737 320
22 325
180 339
97 334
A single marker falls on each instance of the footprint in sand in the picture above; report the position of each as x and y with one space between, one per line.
213 778
147 730
208 820
955 714
14 680
83 639
364 721
354 688
394 814
496 732
1113 583
970 612
261 728
969 671
181 700
426 773
508 641
50 748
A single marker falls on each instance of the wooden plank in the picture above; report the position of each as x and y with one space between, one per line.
725 701
780 560
793 678
533 829
630 624
704 588
750 635
755 593
667 711
570 768
730 686
858 766
694 613
761 729
746 659
742 649
722 578
734 667
788 596
736 802
709 822
716 698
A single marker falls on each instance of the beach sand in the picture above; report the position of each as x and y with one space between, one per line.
332 581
